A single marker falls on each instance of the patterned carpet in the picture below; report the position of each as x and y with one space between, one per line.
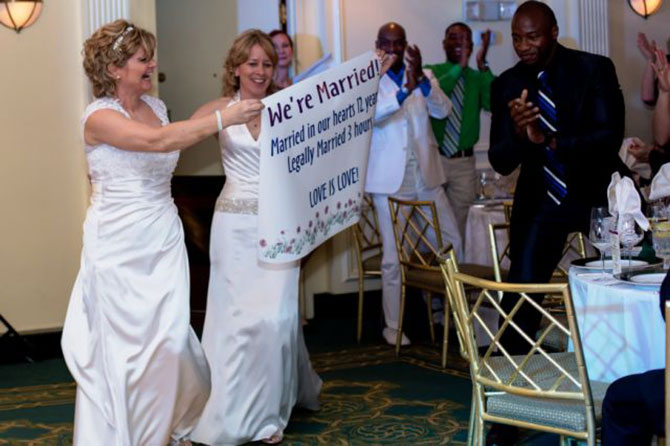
369 397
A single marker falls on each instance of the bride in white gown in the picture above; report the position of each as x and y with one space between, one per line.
252 337
142 378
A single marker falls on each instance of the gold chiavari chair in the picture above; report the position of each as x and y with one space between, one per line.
574 244
448 264
367 240
540 390
418 244
498 256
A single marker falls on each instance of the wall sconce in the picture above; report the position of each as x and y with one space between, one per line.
645 8
19 14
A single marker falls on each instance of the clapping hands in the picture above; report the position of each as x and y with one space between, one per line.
386 61
414 70
481 54
647 49
662 70
525 117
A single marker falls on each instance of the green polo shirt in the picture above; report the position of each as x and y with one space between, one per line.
477 96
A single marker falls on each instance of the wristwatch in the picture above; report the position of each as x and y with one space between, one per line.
404 89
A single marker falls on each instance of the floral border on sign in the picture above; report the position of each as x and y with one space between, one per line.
305 234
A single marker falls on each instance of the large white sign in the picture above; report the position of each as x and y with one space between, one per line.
314 158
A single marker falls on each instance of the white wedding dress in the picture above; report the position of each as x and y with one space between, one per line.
142 378
252 336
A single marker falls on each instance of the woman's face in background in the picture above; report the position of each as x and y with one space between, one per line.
255 74
284 50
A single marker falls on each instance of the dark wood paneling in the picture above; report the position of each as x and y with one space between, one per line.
195 197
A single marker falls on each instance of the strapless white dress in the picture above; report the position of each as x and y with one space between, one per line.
252 335
142 378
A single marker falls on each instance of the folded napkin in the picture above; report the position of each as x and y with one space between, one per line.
623 200
660 185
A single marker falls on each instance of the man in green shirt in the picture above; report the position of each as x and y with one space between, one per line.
469 91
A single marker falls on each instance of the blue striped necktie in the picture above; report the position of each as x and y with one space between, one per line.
553 170
452 130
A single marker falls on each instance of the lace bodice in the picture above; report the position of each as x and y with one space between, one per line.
240 154
106 162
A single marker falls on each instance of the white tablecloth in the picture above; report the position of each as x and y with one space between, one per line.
620 325
477 246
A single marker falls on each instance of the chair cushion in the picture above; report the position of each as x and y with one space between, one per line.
373 264
425 279
481 271
553 412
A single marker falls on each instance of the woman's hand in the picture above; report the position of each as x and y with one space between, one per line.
242 112
647 49
662 70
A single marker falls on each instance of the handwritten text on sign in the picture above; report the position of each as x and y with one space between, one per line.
314 158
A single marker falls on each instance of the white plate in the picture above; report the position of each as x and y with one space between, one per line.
650 279
597 264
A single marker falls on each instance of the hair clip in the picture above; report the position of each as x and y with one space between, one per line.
119 39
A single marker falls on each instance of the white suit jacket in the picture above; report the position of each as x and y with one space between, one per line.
394 124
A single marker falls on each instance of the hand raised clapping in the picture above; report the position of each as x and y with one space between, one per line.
386 60
524 116
662 70
481 54
647 49
414 70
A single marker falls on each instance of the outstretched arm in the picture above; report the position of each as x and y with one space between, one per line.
661 117
111 127
648 89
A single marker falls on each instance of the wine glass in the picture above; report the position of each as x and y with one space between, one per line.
631 235
599 231
483 185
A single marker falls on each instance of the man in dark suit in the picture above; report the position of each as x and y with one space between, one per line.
559 114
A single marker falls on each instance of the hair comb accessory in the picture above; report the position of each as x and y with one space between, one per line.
119 39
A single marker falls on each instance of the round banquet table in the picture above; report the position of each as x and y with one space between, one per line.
477 245
620 324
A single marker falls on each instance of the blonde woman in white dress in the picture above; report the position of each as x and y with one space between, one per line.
142 378
252 337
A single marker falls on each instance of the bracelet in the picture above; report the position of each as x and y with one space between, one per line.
219 121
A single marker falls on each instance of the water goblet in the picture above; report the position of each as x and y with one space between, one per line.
631 235
599 232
